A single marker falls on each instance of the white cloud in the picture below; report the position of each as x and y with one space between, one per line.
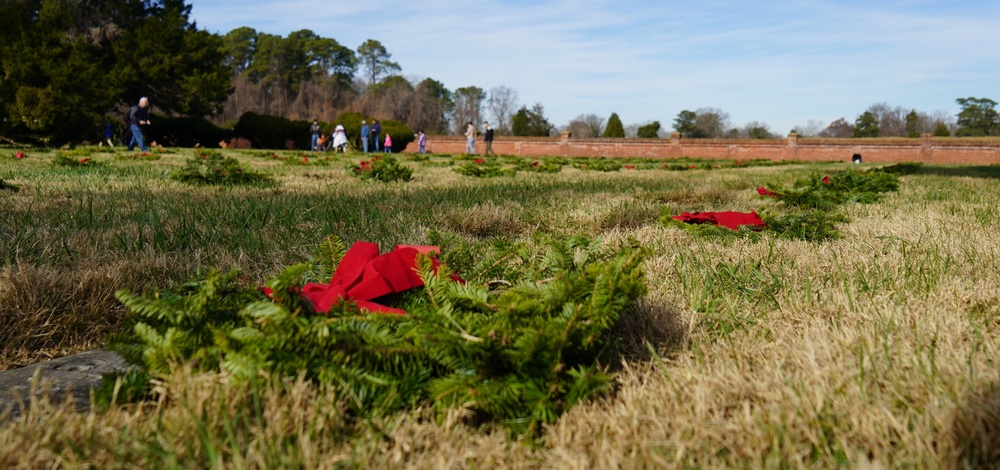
782 63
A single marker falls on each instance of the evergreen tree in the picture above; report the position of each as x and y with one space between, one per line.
649 131
866 125
531 122
66 65
686 123
941 130
375 61
614 129
978 117
913 124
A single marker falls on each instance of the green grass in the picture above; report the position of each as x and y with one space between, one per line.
877 348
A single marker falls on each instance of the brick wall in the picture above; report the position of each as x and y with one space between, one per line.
927 149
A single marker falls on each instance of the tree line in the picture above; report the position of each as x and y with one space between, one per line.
68 66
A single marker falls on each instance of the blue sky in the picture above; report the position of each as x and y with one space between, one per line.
781 62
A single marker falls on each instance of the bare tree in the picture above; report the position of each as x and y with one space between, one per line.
811 129
756 130
713 121
891 120
838 129
468 107
502 103
586 126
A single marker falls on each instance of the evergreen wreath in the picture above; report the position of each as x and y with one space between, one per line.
517 351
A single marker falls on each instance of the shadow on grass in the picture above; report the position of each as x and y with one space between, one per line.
654 322
976 429
973 171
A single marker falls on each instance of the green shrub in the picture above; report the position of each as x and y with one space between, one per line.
352 127
401 134
381 168
210 168
185 132
519 355
271 132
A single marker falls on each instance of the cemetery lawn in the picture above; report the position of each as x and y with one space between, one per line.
876 349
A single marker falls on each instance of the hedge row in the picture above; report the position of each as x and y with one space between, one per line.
265 132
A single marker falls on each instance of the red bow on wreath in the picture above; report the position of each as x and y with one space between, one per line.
364 275
731 220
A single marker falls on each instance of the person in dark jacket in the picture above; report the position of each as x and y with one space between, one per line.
376 130
314 129
488 138
138 116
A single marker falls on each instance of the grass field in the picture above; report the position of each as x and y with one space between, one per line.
874 350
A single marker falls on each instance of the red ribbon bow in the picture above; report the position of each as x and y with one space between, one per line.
364 275
766 192
732 220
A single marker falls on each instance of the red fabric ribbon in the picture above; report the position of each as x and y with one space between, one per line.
731 220
766 192
364 275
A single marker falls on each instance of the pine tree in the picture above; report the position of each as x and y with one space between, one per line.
614 129
866 125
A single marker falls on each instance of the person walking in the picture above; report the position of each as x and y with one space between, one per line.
339 139
138 116
314 129
365 131
376 130
488 138
108 134
470 138
422 142
388 143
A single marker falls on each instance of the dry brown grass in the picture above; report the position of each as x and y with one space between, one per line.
877 350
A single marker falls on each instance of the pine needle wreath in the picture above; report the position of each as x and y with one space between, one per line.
599 164
517 351
381 168
811 205
211 168
483 168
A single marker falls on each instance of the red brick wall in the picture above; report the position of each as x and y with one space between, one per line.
967 151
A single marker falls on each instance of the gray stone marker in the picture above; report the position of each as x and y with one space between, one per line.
71 376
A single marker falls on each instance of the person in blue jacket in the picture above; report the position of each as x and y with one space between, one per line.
376 130
365 133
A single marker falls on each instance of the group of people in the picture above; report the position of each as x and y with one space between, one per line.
470 138
337 141
370 138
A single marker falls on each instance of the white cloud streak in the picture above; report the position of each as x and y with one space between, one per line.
783 63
